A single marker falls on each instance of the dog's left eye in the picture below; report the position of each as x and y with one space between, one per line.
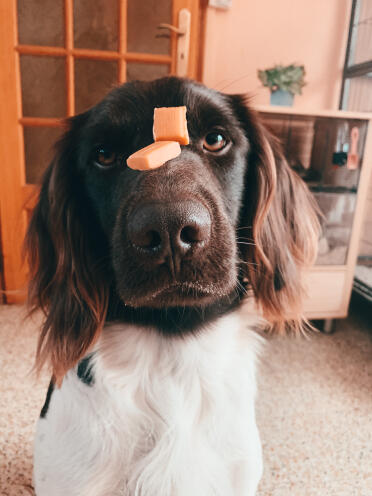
105 157
214 142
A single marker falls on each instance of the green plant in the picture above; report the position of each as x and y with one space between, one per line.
289 78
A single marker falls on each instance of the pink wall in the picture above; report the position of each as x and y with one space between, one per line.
257 34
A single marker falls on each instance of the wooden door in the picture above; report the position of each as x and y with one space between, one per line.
57 58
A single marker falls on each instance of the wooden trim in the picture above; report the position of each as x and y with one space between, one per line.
41 122
203 6
328 268
70 66
41 50
148 58
325 291
87 53
194 38
342 114
82 53
363 186
173 36
2 282
122 28
347 51
313 315
13 218
194 8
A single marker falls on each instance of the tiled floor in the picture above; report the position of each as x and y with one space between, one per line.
314 409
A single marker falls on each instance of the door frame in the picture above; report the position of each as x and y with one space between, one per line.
12 172
17 198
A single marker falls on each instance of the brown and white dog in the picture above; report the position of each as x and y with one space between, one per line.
142 275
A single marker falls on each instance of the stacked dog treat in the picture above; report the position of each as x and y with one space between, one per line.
169 131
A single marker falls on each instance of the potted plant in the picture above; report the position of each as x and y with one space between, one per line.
284 82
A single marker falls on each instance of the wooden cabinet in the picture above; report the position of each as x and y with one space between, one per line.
332 152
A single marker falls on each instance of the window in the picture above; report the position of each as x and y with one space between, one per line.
356 92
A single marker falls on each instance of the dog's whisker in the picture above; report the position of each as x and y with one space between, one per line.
245 243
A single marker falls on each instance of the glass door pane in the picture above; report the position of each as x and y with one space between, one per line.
145 72
39 143
43 86
96 24
358 93
143 18
320 150
93 80
40 22
361 36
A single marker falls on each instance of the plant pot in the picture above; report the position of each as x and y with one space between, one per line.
281 97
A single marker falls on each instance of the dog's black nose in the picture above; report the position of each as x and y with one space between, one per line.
176 229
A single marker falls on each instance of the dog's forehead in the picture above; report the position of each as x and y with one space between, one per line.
137 100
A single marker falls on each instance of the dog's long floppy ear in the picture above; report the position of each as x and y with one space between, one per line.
279 225
65 277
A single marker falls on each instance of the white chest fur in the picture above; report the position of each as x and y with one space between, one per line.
164 417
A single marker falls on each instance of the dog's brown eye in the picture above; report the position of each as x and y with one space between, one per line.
214 142
105 157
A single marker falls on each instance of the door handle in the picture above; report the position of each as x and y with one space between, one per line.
176 30
183 40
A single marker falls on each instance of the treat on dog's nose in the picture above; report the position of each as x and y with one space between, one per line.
154 155
170 124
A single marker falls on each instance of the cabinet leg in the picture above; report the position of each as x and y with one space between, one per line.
328 326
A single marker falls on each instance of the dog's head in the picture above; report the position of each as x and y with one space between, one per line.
189 235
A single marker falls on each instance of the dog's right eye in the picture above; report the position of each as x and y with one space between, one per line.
105 157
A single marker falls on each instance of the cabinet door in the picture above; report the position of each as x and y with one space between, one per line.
51 52
332 152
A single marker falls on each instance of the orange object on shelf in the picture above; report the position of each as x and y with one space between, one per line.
353 157
170 124
154 155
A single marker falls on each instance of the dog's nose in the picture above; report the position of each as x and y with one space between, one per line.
176 229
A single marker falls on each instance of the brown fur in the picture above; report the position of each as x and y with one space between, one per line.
284 230
273 214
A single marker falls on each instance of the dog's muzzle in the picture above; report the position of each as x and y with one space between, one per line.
168 233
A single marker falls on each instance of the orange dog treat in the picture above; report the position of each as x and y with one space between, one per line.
154 155
170 124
